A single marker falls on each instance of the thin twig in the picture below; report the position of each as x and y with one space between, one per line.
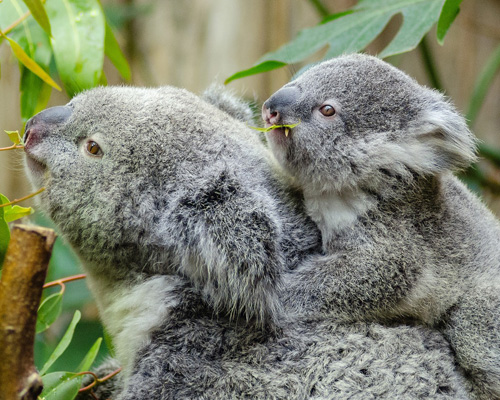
14 146
23 198
64 280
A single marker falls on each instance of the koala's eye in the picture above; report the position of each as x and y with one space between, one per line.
327 110
93 148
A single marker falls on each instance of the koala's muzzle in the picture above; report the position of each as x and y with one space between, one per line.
278 105
41 124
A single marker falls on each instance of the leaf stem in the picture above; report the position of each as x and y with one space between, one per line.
320 8
23 198
14 146
483 84
64 280
430 64
16 23
97 379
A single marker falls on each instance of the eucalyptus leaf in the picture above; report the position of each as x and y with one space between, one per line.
60 386
89 358
270 128
352 32
14 136
63 344
48 312
15 212
115 55
450 10
4 230
78 32
38 12
29 63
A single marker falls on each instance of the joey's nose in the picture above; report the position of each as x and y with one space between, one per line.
277 106
39 125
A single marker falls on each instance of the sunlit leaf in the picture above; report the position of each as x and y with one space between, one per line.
14 137
63 344
30 63
270 128
60 386
450 10
49 311
89 359
78 32
38 12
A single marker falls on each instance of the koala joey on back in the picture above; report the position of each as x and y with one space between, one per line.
186 230
374 154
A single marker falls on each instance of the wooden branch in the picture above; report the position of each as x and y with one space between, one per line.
23 275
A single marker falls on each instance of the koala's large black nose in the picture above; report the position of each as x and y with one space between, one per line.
277 105
41 123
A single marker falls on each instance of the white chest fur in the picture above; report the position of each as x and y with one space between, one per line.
131 312
334 212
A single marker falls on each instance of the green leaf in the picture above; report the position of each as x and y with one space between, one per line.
35 94
257 69
15 212
49 311
270 128
78 31
63 344
353 32
482 85
4 230
115 55
90 357
60 386
450 10
38 12
14 136
29 63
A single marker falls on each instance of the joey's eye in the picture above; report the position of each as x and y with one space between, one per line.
327 110
93 148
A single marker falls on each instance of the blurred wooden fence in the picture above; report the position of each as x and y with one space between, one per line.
190 43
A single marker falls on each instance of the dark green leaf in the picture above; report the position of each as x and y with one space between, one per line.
90 357
49 311
257 69
63 344
115 55
60 386
35 94
4 231
78 31
450 10
38 12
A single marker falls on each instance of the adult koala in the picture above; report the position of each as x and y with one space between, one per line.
186 231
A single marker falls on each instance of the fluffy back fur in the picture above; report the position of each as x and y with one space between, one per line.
374 154
187 233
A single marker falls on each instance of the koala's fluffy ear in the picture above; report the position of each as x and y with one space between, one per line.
225 100
441 140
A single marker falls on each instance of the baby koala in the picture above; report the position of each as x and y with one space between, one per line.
374 154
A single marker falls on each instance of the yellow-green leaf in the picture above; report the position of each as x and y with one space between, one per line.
15 212
14 137
30 63
38 12
270 128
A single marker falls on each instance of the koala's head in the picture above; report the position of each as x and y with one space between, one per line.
362 121
113 158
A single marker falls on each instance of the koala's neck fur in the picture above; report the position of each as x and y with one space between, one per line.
335 211
127 317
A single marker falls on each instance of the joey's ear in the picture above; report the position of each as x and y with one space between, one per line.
224 99
445 143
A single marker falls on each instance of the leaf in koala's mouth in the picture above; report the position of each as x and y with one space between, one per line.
270 128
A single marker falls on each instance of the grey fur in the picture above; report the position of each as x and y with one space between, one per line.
187 231
403 237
